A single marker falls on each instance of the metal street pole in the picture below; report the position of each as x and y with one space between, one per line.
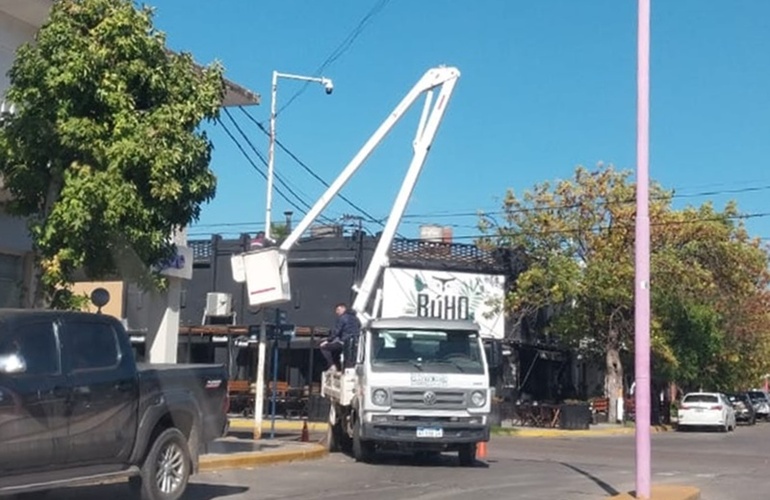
259 399
328 87
271 159
259 395
642 264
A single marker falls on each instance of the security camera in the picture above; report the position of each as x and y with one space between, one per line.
328 86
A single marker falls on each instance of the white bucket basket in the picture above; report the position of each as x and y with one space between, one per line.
267 276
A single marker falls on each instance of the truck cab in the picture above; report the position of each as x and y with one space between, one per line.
418 385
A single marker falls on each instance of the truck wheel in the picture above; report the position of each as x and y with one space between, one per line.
467 455
166 468
363 451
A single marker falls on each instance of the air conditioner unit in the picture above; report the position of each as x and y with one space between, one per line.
219 305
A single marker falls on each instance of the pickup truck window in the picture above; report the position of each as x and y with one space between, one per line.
36 346
93 345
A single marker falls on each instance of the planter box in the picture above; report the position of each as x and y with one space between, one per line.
575 416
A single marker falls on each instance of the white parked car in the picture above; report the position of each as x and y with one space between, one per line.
706 409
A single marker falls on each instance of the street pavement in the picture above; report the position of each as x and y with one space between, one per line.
725 467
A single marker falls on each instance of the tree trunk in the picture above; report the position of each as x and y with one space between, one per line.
36 296
613 376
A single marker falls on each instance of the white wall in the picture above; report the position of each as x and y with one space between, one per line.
14 236
13 33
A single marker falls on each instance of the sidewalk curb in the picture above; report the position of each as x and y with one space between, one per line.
531 432
209 463
665 492
242 424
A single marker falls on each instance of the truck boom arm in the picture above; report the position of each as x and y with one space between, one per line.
444 77
265 270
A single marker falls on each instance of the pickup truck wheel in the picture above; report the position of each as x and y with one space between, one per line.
467 455
363 451
166 469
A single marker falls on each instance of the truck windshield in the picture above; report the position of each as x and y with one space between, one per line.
426 350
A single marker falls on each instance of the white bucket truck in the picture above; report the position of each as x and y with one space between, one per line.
419 385
411 383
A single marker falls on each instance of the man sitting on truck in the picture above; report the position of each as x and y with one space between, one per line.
346 329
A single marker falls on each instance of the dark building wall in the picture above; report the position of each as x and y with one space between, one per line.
322 271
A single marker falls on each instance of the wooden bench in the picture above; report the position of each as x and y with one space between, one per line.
291 399
241 397
600 407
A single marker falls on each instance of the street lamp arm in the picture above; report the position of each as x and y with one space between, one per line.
317 79
328 88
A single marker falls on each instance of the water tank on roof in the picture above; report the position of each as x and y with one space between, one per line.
431 232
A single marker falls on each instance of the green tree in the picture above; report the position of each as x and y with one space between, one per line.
711 297
104 154
709 282
578 236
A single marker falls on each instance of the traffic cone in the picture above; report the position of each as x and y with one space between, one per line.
305 433
481 449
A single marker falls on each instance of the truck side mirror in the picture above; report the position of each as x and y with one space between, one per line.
494 353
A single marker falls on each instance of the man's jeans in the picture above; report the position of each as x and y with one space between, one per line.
331 352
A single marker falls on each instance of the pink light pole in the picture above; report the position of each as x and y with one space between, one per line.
642 248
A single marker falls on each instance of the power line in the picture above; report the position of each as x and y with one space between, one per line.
294 157
598 229
255 167
446 214
261 157
343 47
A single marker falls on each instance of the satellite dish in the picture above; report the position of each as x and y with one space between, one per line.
100 297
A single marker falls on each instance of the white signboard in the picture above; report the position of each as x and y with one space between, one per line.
179 265
446 295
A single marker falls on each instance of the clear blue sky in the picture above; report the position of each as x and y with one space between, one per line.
546 85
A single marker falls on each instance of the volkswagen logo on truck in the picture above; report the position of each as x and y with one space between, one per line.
429 398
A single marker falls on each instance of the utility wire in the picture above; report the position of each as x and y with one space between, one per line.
675 195
261 157
494 233
340 50
369 217
256 167
445 214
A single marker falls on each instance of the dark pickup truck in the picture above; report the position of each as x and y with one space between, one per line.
75 407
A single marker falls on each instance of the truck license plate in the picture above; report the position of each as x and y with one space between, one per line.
430 432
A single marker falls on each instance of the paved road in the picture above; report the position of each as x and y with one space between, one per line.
725 466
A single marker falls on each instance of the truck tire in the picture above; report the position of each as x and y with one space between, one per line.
467 455
166 469
363 451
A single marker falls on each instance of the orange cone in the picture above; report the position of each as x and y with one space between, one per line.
481 449
305 433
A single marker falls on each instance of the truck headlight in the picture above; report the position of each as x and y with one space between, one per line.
478 399
380 397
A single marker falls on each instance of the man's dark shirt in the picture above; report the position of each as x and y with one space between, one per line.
347 326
